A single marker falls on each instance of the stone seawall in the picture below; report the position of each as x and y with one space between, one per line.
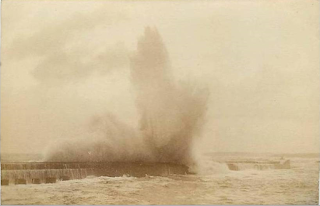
50 172
258 165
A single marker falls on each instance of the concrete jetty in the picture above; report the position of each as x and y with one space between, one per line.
258 165
50 172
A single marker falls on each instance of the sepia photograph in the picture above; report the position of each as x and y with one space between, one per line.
181 102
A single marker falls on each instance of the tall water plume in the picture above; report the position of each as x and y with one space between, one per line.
171 116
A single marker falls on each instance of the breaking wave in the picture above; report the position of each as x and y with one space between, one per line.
171 116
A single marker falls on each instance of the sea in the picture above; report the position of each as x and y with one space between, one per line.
214 183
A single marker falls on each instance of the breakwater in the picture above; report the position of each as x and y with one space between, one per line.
258 165
50 172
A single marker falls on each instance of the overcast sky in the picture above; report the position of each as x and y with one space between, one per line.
66 61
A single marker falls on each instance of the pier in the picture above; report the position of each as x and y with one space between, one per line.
258 165
51 172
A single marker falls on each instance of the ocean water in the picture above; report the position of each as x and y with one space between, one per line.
214 184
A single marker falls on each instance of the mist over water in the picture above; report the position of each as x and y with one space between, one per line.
171 116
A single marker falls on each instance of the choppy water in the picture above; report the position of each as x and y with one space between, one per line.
215 185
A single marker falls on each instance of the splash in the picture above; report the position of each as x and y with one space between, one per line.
106 139
171 116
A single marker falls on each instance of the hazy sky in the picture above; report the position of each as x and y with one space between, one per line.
66 61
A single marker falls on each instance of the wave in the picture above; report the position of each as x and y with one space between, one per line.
171 116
